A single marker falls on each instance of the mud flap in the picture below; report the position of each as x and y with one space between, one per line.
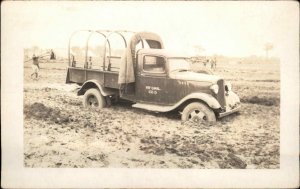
68 76
108 101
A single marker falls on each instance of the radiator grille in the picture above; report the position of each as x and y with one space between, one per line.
221 93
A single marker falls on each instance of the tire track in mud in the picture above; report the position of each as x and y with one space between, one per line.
195 150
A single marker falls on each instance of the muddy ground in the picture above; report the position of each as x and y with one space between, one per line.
58 132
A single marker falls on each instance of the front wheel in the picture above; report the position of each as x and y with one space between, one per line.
93 99
198 112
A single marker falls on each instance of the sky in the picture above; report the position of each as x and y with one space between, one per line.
226 28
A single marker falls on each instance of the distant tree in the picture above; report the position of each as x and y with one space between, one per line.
268 47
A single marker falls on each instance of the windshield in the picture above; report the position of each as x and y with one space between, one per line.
179 64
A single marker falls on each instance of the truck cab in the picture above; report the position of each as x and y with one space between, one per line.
157 80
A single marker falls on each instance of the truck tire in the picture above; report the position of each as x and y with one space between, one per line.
198 112
92 98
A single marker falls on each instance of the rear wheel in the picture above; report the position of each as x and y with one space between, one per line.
198 112
93 99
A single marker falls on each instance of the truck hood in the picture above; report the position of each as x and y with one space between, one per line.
193 76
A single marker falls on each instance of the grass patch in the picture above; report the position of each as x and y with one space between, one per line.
266 101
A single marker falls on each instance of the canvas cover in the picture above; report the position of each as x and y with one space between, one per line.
126 73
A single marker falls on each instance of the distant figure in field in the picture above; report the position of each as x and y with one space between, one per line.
52 55
73 61
90 63
205 62
213 63
35 66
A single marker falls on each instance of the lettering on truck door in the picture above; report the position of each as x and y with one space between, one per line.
151 80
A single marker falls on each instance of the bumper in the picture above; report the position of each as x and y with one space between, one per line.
232 104
230 111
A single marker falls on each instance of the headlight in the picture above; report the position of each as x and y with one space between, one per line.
215 88
228 87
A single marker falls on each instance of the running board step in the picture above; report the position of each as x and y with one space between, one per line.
151 107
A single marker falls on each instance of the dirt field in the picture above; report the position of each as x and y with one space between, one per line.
58 132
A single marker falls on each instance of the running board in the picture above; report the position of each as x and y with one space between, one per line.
151 107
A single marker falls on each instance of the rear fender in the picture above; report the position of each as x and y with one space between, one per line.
94 84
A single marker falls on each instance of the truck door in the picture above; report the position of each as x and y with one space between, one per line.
151 79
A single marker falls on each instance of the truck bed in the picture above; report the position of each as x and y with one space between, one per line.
108 79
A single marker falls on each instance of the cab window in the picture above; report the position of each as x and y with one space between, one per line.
154 64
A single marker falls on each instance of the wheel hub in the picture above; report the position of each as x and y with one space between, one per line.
197 116
92 101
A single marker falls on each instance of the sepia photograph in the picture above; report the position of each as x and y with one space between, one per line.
187 86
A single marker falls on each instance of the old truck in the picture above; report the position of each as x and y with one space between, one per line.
151 77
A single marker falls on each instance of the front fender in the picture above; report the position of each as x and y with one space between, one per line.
207 98
94 84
